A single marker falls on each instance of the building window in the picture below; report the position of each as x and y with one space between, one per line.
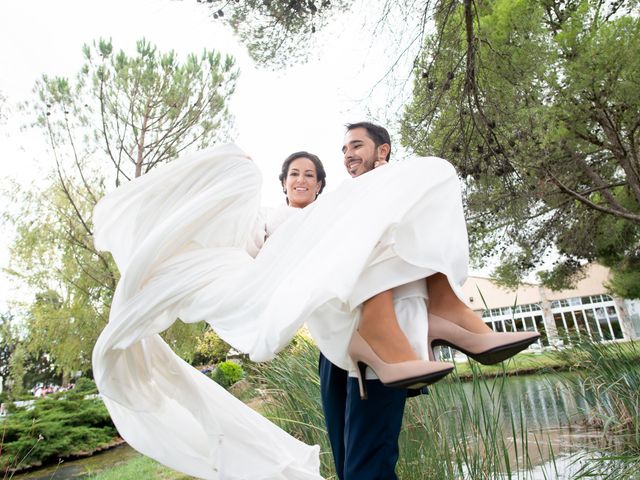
518 319
592 318
594 326
561 328
542 329
612 314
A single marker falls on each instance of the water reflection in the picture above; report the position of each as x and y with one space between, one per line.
542 415
543 400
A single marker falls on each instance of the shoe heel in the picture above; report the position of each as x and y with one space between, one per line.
437 353
487 348
361 373
433 354
397 375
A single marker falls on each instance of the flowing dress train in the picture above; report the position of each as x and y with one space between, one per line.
179 237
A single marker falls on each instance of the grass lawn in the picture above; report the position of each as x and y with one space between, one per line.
527 363
139 468
520 364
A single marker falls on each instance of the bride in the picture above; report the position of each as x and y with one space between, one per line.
182 237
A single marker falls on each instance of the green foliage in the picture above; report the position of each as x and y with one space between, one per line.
20 367
8 341
459 430
277 33
609 382
536 105
608 385
626 282
563 276
151 106
55 427
210 348
521 364
432 444
227 373
17 369
84 386
183 338
293 396
122 116
53 255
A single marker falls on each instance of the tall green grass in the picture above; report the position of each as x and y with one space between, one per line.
607 379
448 434
292 397
453 434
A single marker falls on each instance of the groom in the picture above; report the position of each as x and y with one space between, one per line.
363 433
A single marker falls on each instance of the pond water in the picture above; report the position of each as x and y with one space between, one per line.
550 419
82 468
548 422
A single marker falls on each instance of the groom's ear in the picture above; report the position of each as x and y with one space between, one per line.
383 151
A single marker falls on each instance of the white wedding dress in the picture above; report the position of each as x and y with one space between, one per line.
181 238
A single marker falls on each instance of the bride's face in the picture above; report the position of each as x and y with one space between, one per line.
301 183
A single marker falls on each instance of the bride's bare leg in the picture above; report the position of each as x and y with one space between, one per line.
444 303
379 327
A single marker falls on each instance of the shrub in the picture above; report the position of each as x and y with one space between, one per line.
227 373
86 386
211 348
55 427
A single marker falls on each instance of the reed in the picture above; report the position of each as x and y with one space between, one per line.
448 434
291 397
607 379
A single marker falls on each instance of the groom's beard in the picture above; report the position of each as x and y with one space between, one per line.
367 166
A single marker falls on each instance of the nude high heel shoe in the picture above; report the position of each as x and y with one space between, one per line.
486 348
408 374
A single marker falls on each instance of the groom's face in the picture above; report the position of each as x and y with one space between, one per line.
360 152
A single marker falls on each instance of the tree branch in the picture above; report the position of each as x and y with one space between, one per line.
617 213
63 184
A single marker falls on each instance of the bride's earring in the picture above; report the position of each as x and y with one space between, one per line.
284 190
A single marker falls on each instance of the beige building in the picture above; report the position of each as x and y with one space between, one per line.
587 311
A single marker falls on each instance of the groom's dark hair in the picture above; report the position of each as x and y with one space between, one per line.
378 134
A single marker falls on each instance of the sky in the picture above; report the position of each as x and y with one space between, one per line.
304 107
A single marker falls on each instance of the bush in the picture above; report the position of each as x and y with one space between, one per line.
210 348
54 428
86 386
227 373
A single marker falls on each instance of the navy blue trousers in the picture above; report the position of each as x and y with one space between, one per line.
363 433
